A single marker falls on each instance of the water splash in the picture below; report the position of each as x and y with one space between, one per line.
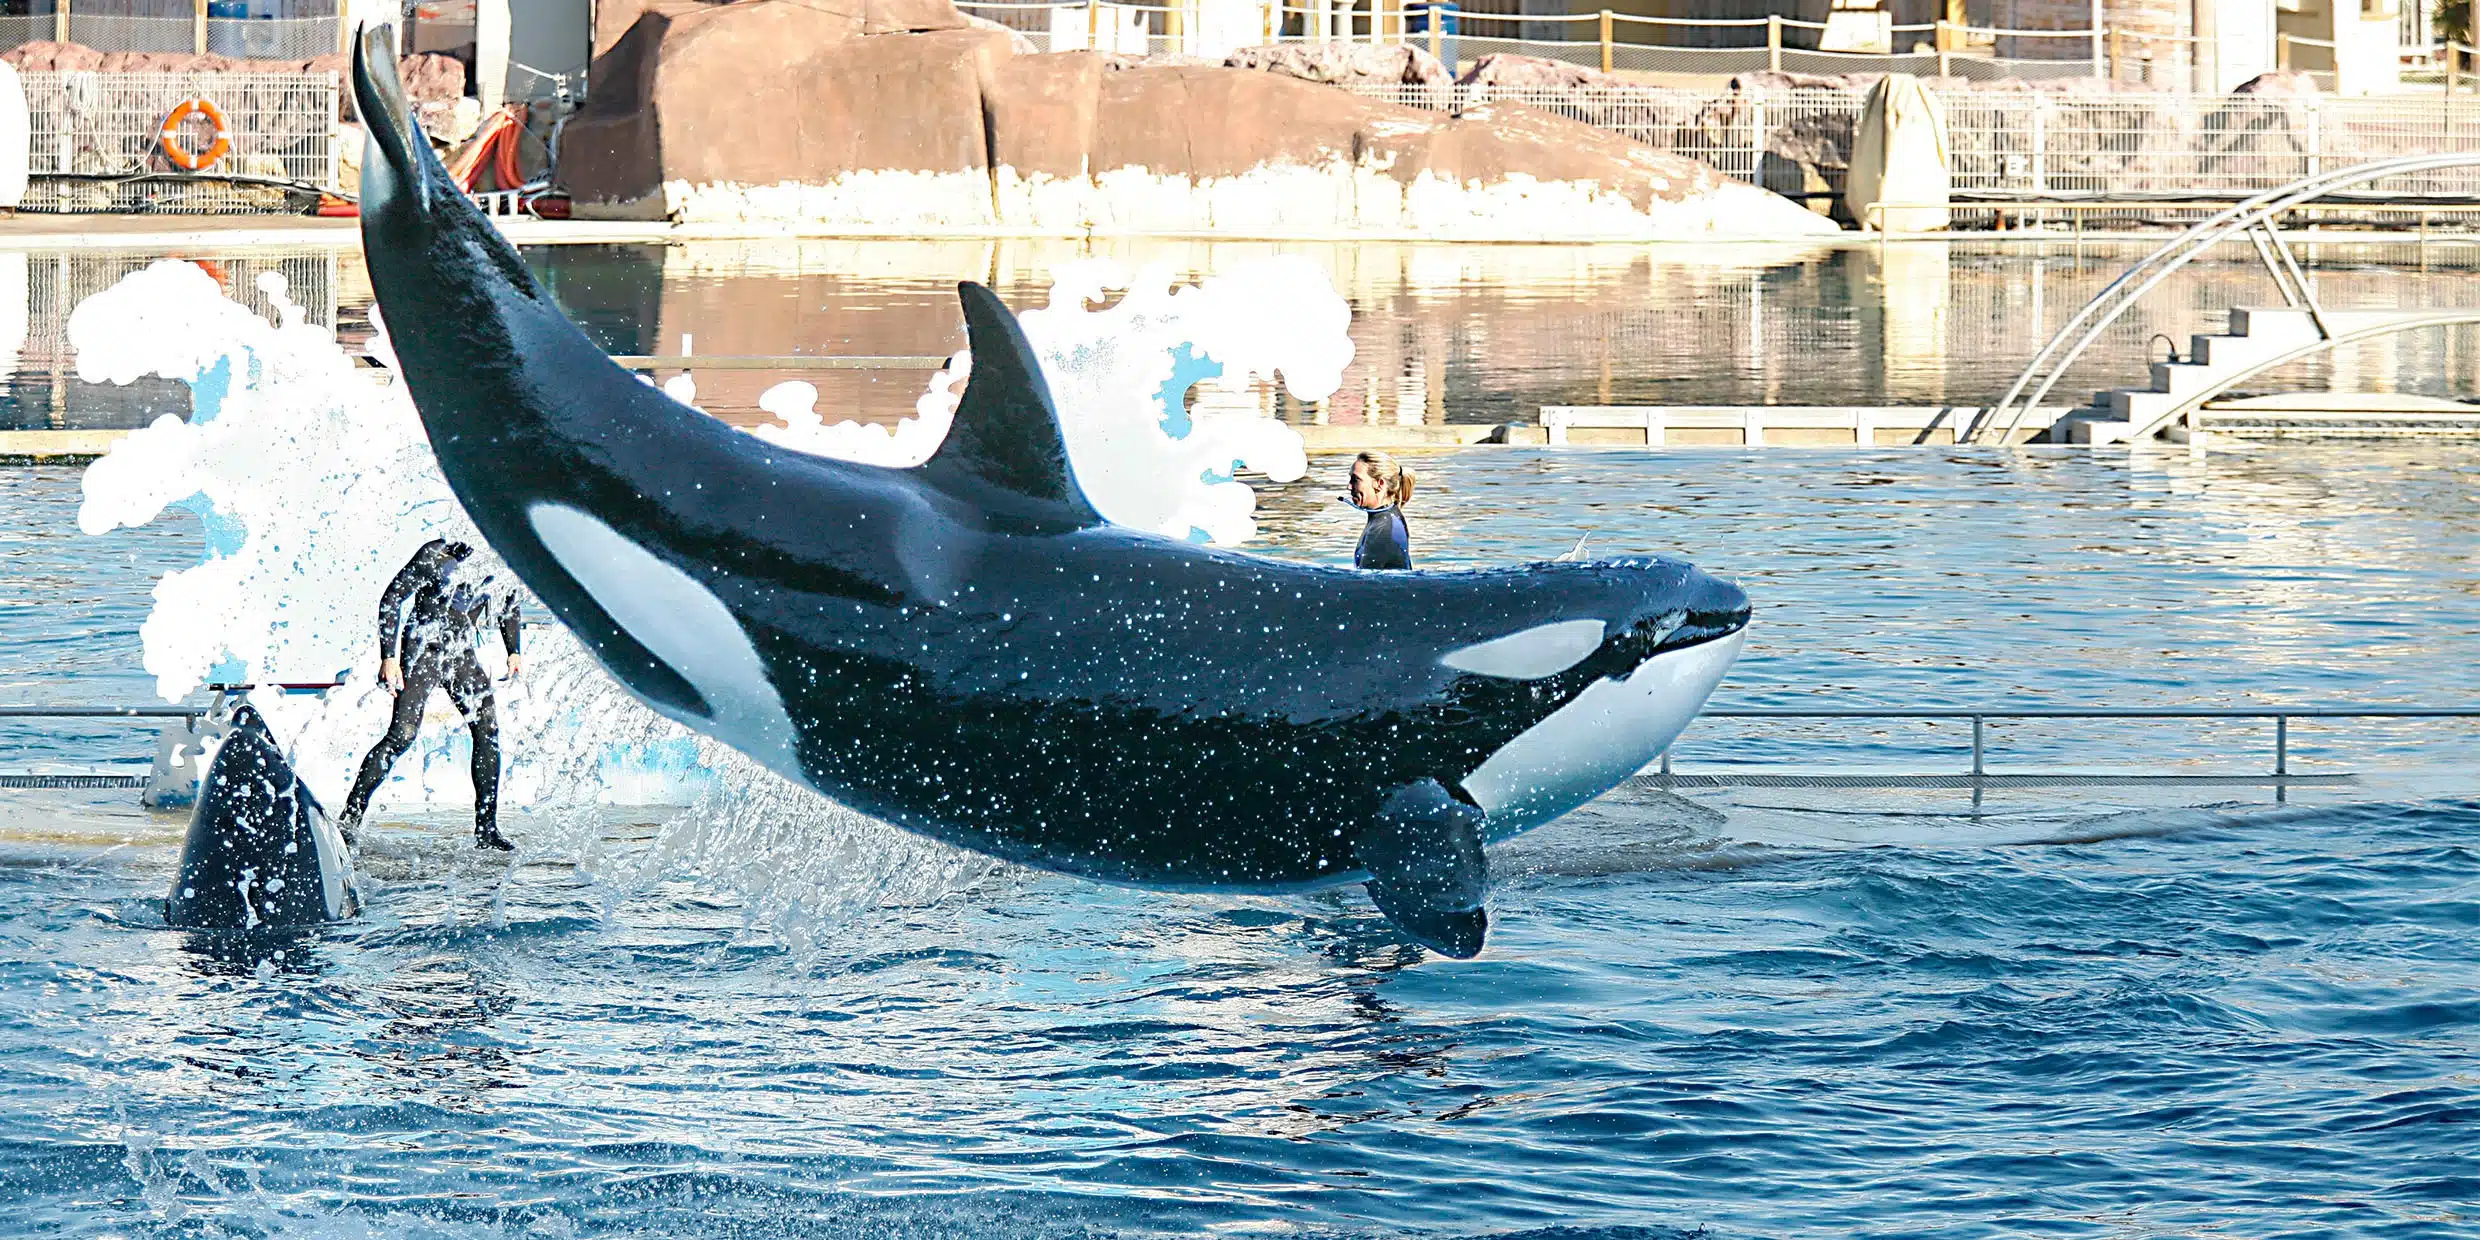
1123 378
316 482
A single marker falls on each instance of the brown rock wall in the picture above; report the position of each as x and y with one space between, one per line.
761 108
763 93
1041 112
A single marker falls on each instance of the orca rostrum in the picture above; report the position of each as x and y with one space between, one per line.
260 854
968 650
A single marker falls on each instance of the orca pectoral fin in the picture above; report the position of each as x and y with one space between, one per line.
1427 872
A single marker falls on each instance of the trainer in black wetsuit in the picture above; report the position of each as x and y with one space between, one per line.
1380 488
429 621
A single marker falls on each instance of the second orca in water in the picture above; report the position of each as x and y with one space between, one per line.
261 853
970 651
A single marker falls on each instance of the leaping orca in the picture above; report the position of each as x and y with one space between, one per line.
968 650
260 854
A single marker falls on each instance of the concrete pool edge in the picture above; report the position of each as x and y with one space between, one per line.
130 232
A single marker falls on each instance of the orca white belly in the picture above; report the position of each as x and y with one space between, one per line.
1610 731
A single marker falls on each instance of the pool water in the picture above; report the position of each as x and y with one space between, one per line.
1739 1012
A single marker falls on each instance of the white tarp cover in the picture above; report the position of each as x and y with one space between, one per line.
15 134
1899 155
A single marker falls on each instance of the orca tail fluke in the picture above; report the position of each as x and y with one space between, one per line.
1427 872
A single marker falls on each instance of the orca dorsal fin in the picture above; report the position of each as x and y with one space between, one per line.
1007 430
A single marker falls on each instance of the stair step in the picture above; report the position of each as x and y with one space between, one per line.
2284 325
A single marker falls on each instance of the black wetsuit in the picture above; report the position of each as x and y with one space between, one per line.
431 616
1386 542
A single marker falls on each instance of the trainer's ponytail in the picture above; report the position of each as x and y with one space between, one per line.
1391 475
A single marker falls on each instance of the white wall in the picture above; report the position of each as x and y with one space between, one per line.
2245 48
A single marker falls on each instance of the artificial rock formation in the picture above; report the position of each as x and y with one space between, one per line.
896 116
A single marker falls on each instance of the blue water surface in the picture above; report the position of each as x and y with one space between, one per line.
1749 1012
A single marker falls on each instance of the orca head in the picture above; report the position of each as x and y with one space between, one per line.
1666 634
261 854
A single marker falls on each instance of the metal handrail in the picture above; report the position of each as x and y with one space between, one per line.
149 711
2406 321
2281 716
105 712
2177 253
786 361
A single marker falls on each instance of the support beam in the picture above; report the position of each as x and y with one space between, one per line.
491 35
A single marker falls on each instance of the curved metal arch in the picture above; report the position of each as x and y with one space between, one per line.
2153 268
2189 404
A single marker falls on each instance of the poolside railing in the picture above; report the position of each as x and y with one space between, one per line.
1980 719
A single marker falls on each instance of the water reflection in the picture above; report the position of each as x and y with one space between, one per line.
1466 334
434 1041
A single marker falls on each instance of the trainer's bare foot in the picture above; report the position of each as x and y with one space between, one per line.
489 837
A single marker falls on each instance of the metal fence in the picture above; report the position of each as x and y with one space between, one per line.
96 140
1611 42
2028 145
243 38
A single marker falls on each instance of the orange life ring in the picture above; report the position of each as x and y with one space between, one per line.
181 156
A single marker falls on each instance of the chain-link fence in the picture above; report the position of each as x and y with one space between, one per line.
98 142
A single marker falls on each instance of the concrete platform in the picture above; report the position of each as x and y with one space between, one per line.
55 447
1819 426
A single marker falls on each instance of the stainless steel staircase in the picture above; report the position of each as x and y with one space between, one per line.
2257 340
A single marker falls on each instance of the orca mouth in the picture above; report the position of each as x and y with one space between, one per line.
393 172
1713 609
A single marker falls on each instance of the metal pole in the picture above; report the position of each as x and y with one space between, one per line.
2316 137
1093 25
2282 52
1605 40
60 21
1773 42
2118 52
198 26
2040 163
1944 69
1976 747
1430 15
2281 744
